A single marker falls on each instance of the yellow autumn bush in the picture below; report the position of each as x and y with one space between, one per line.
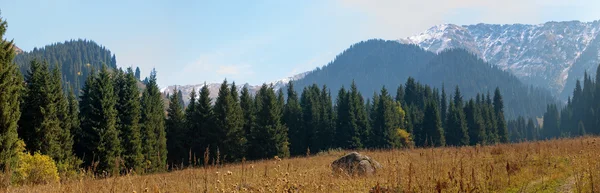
35 169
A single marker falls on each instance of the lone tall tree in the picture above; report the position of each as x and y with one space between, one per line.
500 121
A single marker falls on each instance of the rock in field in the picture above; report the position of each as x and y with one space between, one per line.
355 164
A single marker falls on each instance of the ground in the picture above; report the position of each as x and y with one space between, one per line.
565 165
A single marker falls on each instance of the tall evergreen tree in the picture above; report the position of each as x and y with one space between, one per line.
344 121
176 132
229 122
292 116
551 122
386 122
432 126
269 136
10 111
475 123
247 106
66 160
40 127
99 135
154 137
457 133
137 73
443 106
500 121
205 134
128 119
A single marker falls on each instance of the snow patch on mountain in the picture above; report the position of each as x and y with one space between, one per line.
539 54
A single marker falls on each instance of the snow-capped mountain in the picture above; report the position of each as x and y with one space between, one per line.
549 55
214 87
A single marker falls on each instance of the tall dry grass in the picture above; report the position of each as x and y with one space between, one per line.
565 165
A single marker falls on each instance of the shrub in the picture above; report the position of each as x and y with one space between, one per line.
405 138
35 169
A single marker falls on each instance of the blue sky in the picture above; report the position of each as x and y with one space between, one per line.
190 42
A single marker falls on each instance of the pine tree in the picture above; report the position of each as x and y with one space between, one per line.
362 128
66 160
176 132
475 123
499 112
443 106
40 127
386 122
551 122
432 126
457 133
229 122
292 116
269 136
247 106
137 73
153 134
128 119
10 111
531 128
326 129
99 136
192 134
344 122
205 134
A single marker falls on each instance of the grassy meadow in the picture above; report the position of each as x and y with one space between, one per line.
565 165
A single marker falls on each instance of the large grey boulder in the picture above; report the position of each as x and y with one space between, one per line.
355 164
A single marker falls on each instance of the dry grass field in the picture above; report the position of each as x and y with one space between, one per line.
566 165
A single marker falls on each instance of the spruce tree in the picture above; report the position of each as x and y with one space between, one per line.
386 122
344 123
247 106
192 135
11 86
500 121
475 123
443 106
432 126
269 136
362 128
205 134
128 119
39 124
99 137
292 117
137 73
153 134
456 130
326 130
229 124
66 160
531 128
176 132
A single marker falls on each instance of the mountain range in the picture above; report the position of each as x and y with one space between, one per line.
551 55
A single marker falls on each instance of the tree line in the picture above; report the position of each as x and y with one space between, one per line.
578 117
114 127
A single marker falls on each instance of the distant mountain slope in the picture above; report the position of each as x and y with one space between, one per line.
214 87
374 63
542 55
76 58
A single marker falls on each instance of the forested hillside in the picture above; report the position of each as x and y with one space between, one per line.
374 63
76 59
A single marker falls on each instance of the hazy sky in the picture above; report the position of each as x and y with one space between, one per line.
190 42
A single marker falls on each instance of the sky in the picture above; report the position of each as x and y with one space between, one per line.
196 41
